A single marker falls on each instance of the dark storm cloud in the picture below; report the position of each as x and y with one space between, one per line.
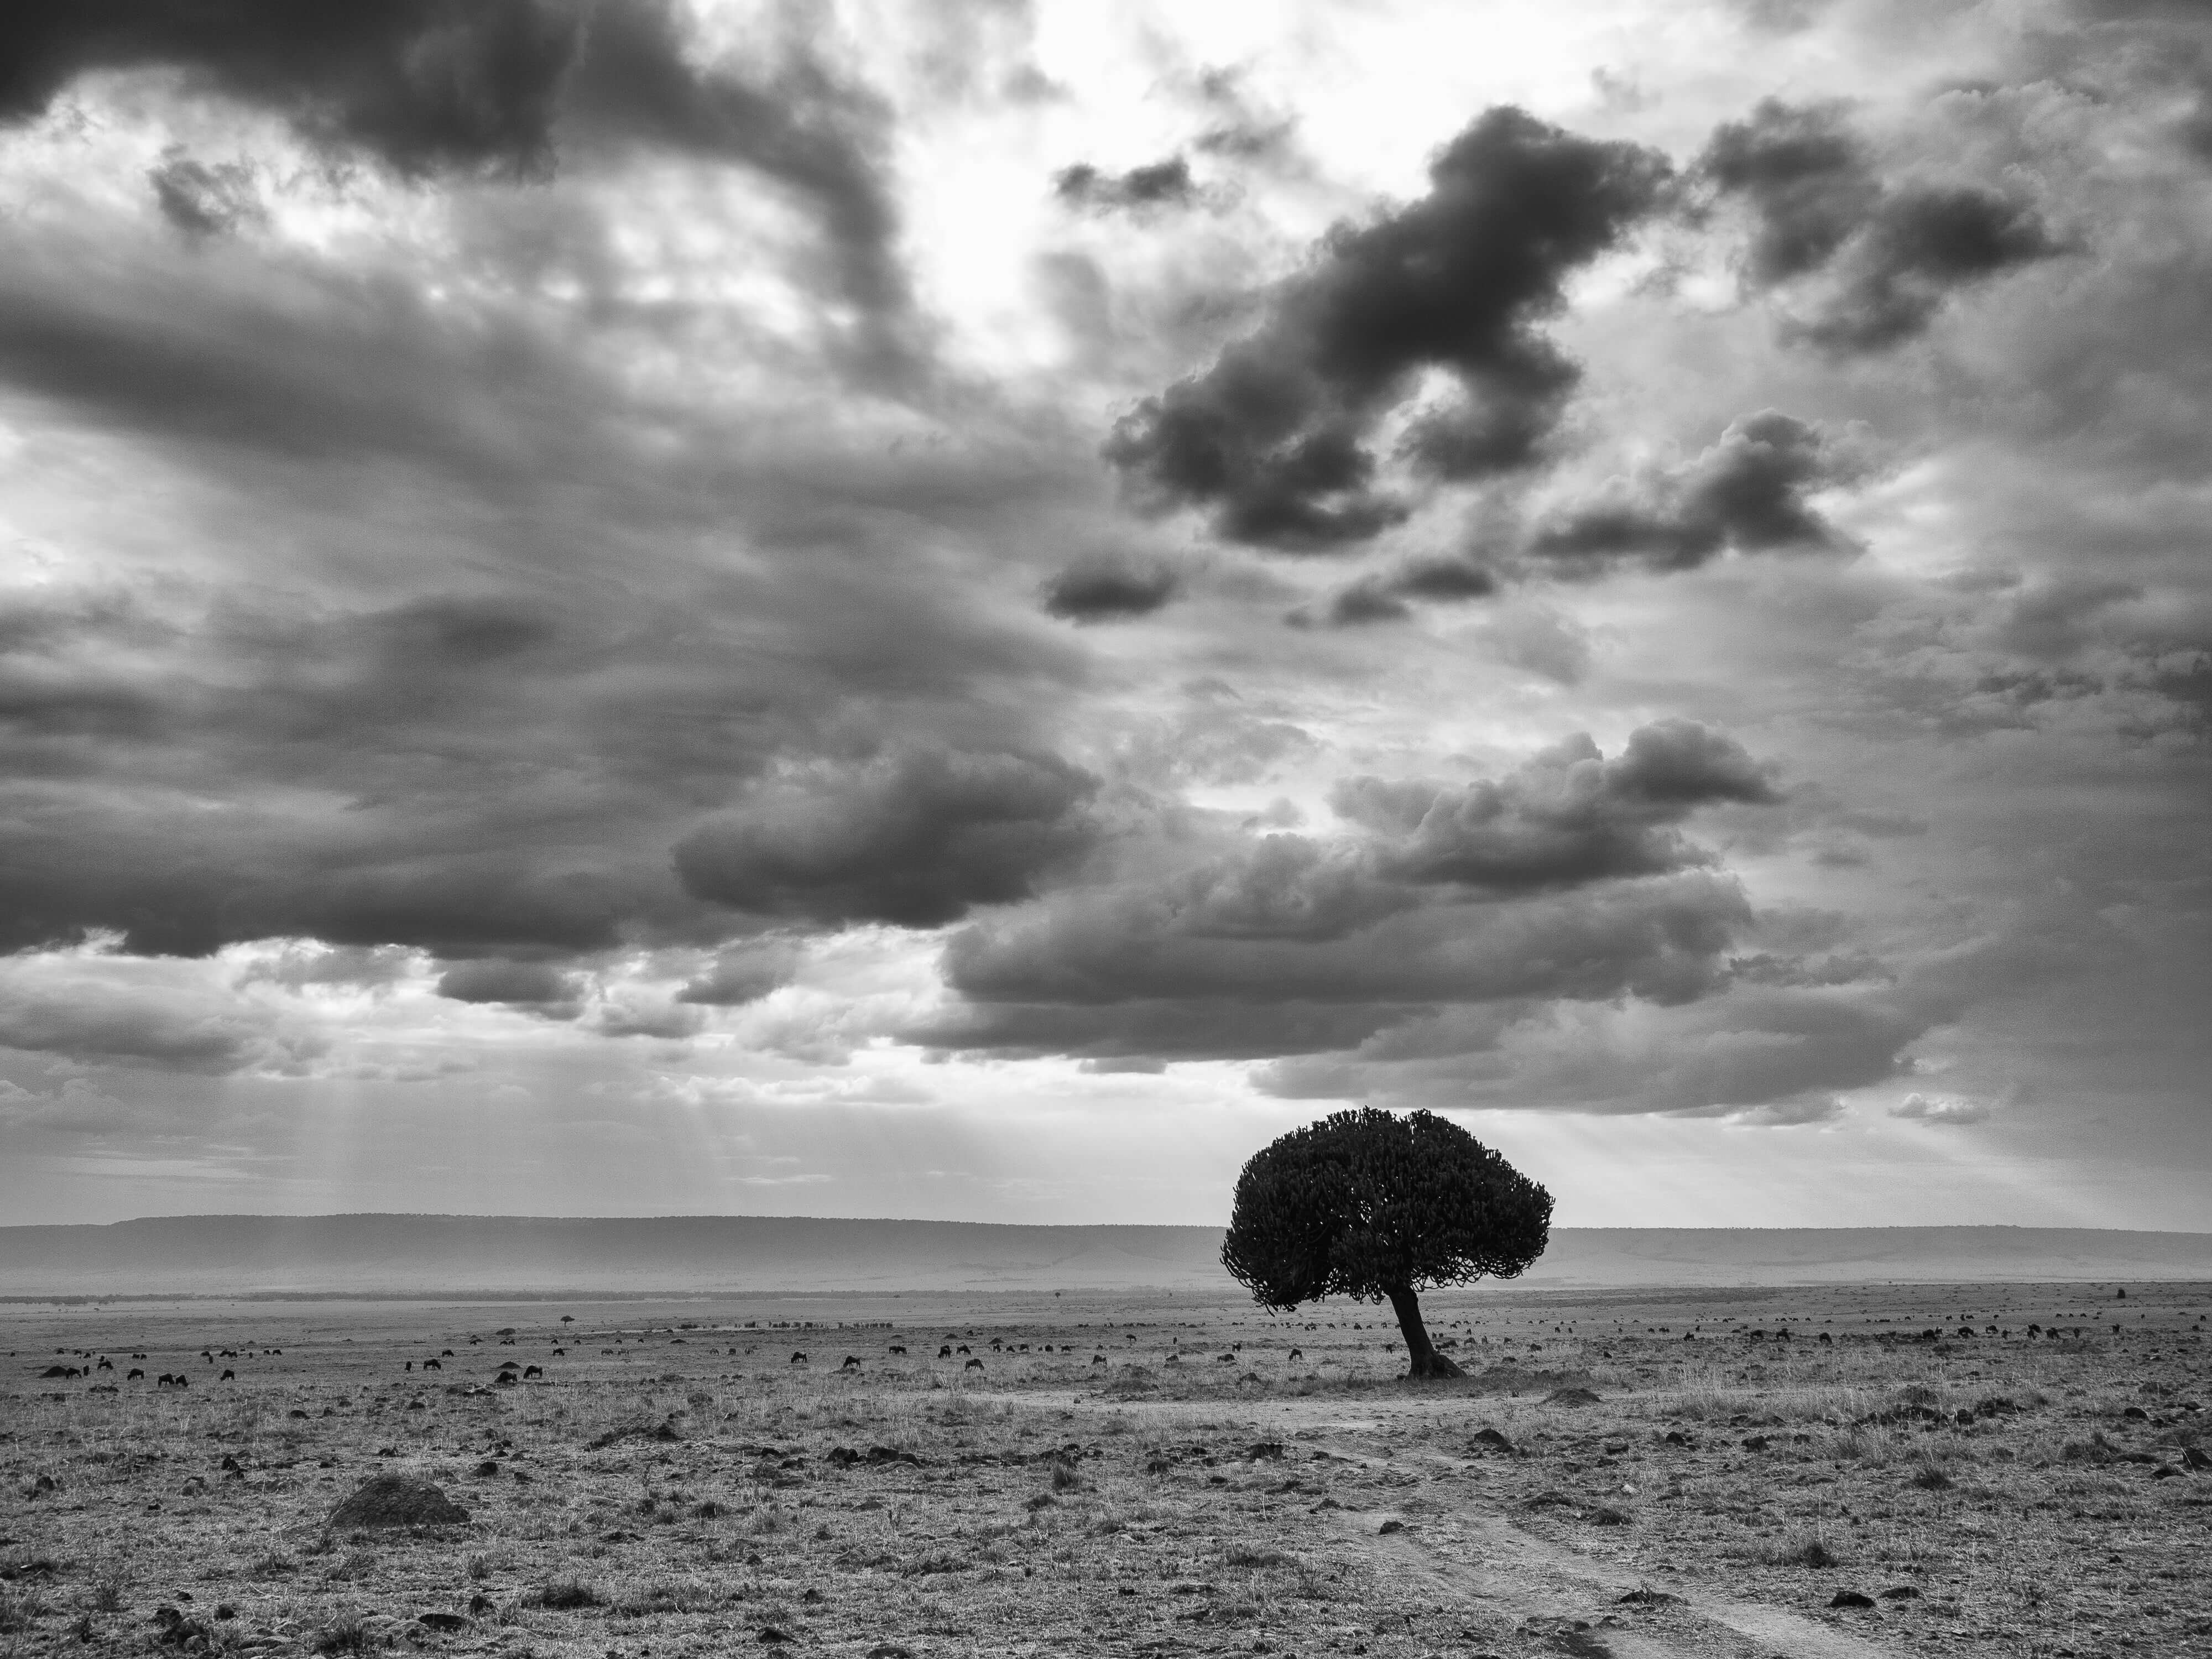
493 773
1566 878
744 973
1925 243
1161 184
1273 438
1809 179
1895 254
1108 593
1763 1054
526 984
915 840
1104 974
1383 598
1747 492
435 86
1568 817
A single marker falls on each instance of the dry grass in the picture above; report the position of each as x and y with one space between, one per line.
683 1497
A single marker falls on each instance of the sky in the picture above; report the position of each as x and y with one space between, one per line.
969 611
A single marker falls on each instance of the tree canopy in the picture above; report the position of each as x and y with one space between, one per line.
1368 1204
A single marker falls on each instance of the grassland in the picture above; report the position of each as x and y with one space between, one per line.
1123 1475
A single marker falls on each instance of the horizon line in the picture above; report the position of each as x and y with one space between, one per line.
473 1215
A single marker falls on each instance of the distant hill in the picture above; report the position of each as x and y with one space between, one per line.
406 1255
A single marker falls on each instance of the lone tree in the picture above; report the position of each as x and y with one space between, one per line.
1369 1204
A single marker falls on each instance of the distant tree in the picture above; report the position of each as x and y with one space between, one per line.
1370 1204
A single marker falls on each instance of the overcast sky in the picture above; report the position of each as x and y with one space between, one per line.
971 610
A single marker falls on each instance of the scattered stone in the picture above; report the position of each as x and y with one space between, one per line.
889 1650
1651 1598
1850 1599
1390 1527
1492 1438
396 1500
770 1633
1604 1516
445 1621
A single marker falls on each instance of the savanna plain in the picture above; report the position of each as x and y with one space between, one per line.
2012 1469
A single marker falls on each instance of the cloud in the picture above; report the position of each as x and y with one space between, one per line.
1565 878
1569 816
1108 592
915 840
203 200
1809 179
1220 963
434 86
1925 243
1940 1109
1273 439
1898 254
98 1005
744 972
1383 598
1758 1054
1748 492
536 986
1161 184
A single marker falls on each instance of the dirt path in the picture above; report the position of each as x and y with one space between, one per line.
1503 1577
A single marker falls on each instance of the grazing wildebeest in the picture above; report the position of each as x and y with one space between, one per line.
851 1362
433 1365
963 1347
898 1348
505 1380
60 1370
443 1353
410 1365
529 1371
562 1353
104 1364
1297 1354
227 1376
797 1359
945 1352
1097 1358
974 1366
137 1375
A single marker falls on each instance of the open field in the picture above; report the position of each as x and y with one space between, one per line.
1171 1475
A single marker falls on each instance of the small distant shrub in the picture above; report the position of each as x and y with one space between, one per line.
107 1591
19 1609
1244 1556
479 1568
566 1593
1801 1552
348 1633
1932 1479
1065 1478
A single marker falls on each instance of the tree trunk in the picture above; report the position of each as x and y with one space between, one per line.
1423 1360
